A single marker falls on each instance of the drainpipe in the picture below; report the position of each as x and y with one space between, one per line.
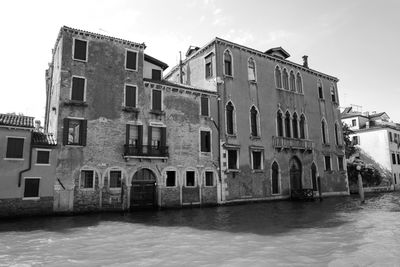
30 162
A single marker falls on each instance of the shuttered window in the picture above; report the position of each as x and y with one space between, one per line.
74 132
43 157
80 49
31 187
130 96
78 89
156 100
156 75
15 148
131 60
204 106
205 141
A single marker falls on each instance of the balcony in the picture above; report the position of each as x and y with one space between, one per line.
145 151
292 143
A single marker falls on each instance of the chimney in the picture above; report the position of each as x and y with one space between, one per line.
305 61
37 126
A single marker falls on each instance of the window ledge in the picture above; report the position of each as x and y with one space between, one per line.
185 186
228 76
74 145
86 189
16 159
42 164
253 81
205 154
231 135
326 145
289 91
115 188
130 109
175 186
321 99
232 171
80 60
76 103
157 112
252 137
31 198
209 186
257 171
128 69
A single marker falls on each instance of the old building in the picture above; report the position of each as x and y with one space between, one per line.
27 167
379 141
279 121
127 138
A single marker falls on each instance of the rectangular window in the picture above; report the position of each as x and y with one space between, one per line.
31 187
353 122
257 160
133 137
356 140
340 163
204 108
395 179
15 148
398 159
328 163
156 100
130 96
131 60
393 158
78 89
156 75
320 92
208 67
75 132
190 178
156 137
43 157
209 178
390 137
232 160
115 179
205 141
80 49
171 178
87 179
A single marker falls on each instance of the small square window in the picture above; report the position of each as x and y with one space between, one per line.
78 89
115 179
353 122
257 160
171 178
232 159
328 163
156 75
131 60
31 187
87 179
190 178
80 49
43 157
356 140
204 106
15 148
209 178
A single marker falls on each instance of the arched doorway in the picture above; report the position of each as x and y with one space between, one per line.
314 177
143 190
295 174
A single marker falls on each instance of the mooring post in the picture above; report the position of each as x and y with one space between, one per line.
319 188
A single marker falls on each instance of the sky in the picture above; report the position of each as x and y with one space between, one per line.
357 41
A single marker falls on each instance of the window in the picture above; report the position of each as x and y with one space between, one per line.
130 96
395 180
157 139
302 126
156 100
390 137
31 189
314 176
299 83
295 126
232 159
287 124
320 90
256 157
285 79
131 60
204 107
75 132
115 179
251 69
353 122
333 95
275 178
43 157
328 163
337 136
171 178
279 123
292 82
134 135
156 75
278 78
227 63
324 132
229 118
355 140
87 179
15 148
340 163
254 121
80 50
393 158
78 89
209 176
209 67
190 178
205 141
398 159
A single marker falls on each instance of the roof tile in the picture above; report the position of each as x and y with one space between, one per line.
16 120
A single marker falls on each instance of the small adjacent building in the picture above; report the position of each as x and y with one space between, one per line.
27 165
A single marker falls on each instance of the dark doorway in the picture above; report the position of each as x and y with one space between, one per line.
143 190
314 177
295 174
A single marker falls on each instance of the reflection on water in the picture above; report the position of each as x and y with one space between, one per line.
337 231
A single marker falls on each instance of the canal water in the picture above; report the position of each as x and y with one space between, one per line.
335 232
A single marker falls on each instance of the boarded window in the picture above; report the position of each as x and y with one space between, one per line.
171 178
257 158
209 178
130 96
204 106
156 75
156 97
15 148
115 179
87 179
253 121
328 163
205 141
75 132
229 118
340 163
228 63
31 187
275 178
43 157
131 60
190 178
208 66
232 159
78 89
80 49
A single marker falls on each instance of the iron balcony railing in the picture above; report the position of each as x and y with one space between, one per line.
146 150
292 143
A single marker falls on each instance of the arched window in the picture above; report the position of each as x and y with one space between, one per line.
230 118
314 176
324 132
295 126
302 127
251 69
320 90
278 78
279 123
333 94
275 178
253 121
287 124
337 136
299 83
285 79
227 63
292 82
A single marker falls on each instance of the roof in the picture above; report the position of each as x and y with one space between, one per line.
279 50
352 114
155 61
16 121
178 85
43 139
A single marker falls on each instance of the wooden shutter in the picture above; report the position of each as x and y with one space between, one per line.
140 135
149 138
130 96
156 100
80 49
131 60
163 136
128 128
65 131
204 106
156 75
83 132
78 89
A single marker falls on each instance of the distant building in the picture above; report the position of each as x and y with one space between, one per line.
127 138
378 138
279 121
27 167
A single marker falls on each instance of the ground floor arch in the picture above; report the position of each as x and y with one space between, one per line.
295 170
143 189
